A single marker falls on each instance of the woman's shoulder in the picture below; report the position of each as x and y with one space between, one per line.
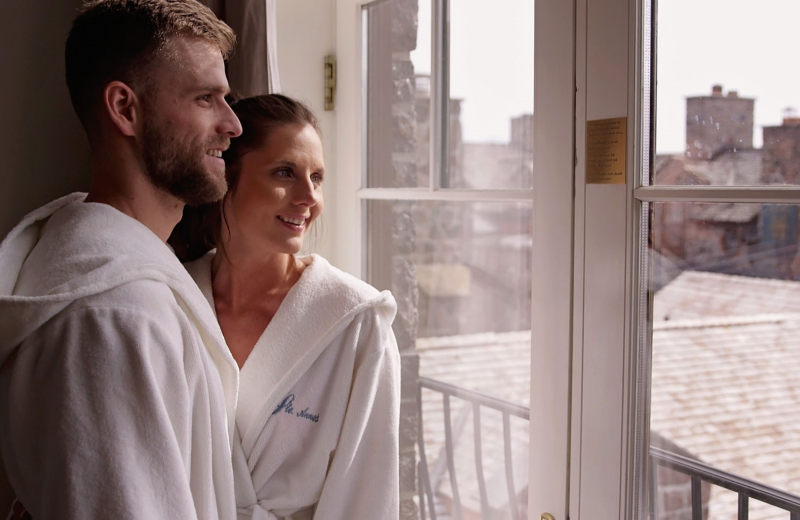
331 283
200 271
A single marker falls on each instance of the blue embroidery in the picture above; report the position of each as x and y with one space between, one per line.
286 406
305 415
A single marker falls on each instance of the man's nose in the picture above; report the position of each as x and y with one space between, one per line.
229 124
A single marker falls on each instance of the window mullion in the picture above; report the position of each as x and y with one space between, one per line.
745 194
445 195
440 94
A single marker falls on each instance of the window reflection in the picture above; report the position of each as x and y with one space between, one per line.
725 320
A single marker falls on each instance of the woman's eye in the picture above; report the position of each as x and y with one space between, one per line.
317 179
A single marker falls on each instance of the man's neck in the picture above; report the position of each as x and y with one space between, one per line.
135 196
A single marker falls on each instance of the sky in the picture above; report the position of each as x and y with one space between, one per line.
748 46
493 83
751 47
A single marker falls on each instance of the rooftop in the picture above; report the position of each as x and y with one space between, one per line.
729 168
725 386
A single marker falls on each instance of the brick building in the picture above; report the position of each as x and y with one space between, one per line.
748 239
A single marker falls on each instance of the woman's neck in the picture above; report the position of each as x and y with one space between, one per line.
243 279
248 291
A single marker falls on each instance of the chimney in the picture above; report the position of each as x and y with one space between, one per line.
790 116
780 155
717 123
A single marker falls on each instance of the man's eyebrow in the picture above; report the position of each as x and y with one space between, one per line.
217 89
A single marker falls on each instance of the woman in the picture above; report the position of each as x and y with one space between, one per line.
317 416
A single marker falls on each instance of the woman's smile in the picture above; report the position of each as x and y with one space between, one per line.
293 223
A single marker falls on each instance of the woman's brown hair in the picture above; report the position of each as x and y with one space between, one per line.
199 230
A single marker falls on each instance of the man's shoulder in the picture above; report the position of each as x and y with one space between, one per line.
149 299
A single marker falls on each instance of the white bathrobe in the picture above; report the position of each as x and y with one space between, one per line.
117 391
318 414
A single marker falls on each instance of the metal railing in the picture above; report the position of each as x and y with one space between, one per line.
477 401
699 472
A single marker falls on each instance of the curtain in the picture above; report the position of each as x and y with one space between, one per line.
253 69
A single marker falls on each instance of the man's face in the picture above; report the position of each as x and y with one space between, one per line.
186 121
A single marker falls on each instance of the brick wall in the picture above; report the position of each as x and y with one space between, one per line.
717 123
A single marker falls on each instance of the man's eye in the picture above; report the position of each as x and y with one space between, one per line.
206 98
283 172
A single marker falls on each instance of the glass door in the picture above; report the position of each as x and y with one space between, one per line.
720 208
461 197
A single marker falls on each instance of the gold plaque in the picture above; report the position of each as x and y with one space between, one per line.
606 151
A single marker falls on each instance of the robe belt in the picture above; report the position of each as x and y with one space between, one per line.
256 512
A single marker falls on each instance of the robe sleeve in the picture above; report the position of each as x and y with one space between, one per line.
99 411
363 479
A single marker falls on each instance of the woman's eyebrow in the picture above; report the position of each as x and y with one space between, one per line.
285 163
293 164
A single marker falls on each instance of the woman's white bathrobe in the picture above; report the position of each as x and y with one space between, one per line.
319 397
117 391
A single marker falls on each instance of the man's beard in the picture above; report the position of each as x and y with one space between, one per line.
177 167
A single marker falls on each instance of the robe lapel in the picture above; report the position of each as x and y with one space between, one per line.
314 312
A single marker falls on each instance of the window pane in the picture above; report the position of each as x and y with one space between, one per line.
727 97
725 356
469 262
491 95
461 273
398 102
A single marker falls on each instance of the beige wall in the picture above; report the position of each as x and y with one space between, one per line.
44 150
42 145
306 34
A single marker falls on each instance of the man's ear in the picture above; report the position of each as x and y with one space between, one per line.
123 107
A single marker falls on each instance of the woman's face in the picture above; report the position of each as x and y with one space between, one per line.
279 192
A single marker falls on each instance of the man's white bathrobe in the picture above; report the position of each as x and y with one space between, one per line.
319 398
117 391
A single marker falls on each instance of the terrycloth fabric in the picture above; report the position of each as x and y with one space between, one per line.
318 413
117 391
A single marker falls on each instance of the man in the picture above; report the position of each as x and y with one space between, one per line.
117 391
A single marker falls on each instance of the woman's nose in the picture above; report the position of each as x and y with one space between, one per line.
306 192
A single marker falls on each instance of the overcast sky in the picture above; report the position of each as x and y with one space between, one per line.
751 47
493 83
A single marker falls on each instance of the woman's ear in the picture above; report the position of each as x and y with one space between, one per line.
123 107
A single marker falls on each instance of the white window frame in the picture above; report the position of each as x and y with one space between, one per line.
552 198
589 346
611 341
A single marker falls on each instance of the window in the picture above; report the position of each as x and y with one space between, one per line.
447 206
720 252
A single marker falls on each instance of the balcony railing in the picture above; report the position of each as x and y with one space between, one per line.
477 401
698 471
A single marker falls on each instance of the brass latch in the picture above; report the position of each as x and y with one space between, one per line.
546 516
330 81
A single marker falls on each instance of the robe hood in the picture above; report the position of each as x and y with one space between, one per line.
98 248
